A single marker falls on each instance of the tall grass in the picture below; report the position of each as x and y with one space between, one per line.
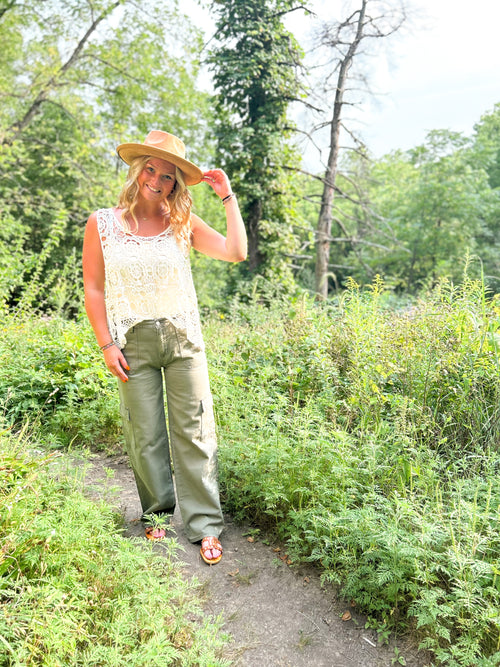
365 435
53 376
368 439
73 591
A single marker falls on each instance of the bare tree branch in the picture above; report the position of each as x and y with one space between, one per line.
55 81
294 9
9 4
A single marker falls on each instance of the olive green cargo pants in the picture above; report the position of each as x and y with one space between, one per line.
158 353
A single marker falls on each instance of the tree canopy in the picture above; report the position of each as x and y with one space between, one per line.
77 77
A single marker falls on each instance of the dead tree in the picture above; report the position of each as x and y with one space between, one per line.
373 19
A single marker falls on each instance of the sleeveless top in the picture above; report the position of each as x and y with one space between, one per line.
146 278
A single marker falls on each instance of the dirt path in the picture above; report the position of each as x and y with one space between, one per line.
277 615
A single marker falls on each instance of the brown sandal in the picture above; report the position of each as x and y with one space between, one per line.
209 544
155 533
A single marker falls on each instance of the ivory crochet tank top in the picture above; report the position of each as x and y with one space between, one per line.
146 278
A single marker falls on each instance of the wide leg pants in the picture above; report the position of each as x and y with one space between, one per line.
160 356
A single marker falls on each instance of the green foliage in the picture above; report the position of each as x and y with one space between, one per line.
486 154
412 216
214 280
77 79
52 375
255 68
363 432
367 438
73 591
487 144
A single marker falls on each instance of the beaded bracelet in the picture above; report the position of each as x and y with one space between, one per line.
105 347
228 197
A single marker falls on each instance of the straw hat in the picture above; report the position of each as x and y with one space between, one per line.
167 147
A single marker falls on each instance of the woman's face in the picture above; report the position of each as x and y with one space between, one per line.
156 181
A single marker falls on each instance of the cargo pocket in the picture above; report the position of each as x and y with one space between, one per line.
209 442
128 431
207 425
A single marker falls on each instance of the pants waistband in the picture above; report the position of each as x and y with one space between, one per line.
152 324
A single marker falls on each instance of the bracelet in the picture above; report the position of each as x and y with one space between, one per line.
105 347
230 196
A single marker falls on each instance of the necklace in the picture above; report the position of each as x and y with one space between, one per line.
161 215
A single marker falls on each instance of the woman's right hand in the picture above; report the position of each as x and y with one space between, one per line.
116 362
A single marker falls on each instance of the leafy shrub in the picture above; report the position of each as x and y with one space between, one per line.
52 374
367 438
74 591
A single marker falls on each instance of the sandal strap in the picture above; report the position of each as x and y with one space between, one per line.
211 542
157 533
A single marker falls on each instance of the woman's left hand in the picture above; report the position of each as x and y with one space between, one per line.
218 180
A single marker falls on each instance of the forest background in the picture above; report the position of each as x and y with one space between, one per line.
357 396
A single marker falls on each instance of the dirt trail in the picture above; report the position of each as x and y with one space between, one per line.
277 615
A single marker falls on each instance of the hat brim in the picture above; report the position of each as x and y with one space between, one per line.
192 173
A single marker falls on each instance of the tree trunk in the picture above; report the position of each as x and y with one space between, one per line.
324 228
254 216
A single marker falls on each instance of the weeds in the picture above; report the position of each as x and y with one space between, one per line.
74 591
53 376
365 436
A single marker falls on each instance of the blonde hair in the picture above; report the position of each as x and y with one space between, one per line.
179 201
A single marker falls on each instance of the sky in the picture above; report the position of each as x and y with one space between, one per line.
442 73
445 75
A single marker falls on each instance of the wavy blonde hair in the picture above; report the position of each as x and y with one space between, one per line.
179 201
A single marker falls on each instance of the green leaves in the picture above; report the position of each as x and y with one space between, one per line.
430 209
367 437
73 590
52 375
76 79
255 69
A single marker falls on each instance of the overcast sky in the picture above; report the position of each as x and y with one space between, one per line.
443 74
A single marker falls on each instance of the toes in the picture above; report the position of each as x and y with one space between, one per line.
211 550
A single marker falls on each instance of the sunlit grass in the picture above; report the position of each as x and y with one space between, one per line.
73 591
365 436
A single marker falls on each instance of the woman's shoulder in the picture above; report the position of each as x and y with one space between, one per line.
107 212
101 214
99 223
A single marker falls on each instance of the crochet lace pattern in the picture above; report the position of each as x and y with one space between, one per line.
146 278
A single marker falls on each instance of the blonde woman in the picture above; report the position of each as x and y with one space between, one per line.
141 303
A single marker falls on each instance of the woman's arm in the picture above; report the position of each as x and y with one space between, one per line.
95 306
233 246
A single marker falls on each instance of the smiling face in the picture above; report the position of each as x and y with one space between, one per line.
157 180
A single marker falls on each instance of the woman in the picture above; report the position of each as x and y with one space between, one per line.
141 303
